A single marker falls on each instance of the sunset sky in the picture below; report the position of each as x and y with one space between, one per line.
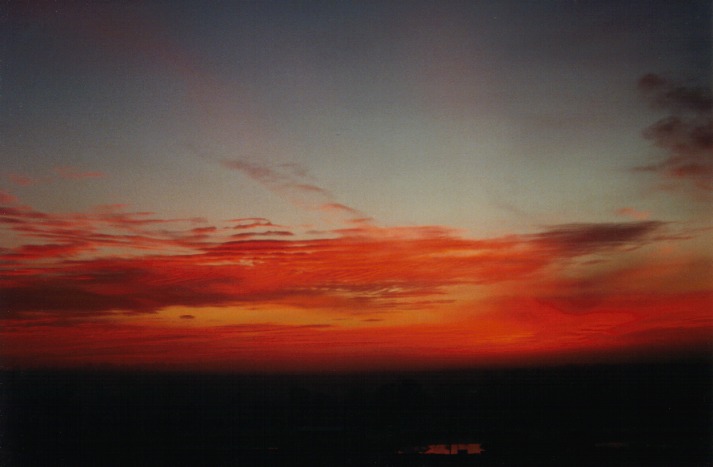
281 186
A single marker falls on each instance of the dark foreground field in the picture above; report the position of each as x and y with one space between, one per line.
631 415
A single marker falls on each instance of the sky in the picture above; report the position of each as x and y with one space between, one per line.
338 185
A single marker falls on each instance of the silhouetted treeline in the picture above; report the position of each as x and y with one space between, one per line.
655 414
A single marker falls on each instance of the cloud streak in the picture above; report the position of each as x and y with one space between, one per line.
65 173
291 182
72 173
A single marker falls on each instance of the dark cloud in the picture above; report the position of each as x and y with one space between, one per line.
580 239
664 93
686 135
269 233
251 222
101 286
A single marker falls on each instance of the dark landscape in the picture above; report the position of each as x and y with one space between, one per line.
628 415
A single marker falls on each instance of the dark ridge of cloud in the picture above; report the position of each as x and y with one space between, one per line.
251 222
22 213
689 145
187 317
686 135
664 93
99 287
269 233
587 238
47 296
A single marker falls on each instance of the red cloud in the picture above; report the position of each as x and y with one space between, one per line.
363 266
79 270
7 198
105 227
553 337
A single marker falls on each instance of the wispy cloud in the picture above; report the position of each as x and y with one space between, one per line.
285 179
338 207
72 173
293 183
58 173
21 180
